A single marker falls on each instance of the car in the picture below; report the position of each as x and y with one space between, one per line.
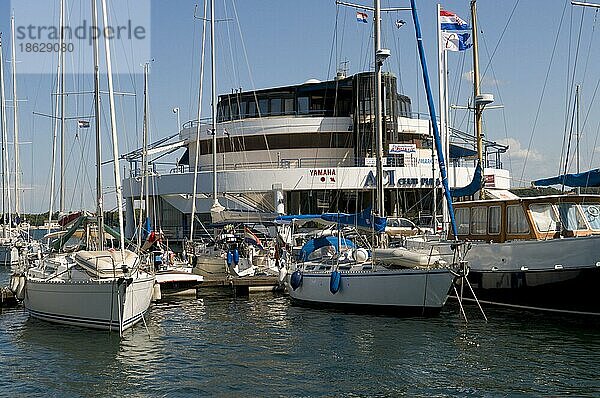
401 227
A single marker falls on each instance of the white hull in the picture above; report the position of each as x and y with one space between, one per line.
93 304
405 290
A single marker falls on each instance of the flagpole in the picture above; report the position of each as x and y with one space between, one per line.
443 106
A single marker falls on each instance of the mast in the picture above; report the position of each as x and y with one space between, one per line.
200 89
99 198
476 91
431 106
5 172
15 117
62 108
113 125
144 189
216 205
59 104
380 56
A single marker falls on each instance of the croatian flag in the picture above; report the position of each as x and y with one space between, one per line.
452 41
362 17
83 124
451 21
251 238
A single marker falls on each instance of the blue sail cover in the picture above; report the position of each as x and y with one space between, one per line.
317 243
364 219
474 186
586 179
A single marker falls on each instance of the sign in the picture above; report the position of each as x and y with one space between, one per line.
489 181
397 149
372 162
324 175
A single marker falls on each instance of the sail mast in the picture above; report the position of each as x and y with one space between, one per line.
113 125
62 107
144 183
476 90
216 207
5 172
199 116
99 198
380 204
15 117
58 104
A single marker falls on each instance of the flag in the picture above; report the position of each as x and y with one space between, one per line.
400 23
451 21
250 237
452 41
362 17
83 124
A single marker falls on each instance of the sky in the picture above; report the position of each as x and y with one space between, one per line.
532 54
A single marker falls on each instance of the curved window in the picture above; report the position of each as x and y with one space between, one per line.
592 214
570 217
544 217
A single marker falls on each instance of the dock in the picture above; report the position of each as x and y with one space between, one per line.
245 285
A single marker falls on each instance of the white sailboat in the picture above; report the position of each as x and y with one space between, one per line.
353 279
98 288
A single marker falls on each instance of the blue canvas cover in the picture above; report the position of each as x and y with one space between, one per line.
474 186
586 179
317 243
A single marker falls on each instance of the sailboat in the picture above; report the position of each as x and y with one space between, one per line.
97 287
352 278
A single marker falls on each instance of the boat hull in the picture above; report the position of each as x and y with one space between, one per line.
401 292
559 275
61 302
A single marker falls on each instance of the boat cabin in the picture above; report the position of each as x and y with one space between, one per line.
531 218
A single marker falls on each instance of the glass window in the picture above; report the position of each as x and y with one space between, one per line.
478 220
462 220
263 106
517 222
592 214
494 220
288 106
275 106
302 105
544 216
251 109
570 217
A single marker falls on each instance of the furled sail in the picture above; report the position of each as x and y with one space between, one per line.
474 186
586 179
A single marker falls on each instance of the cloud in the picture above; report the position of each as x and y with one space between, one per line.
487 81
517 152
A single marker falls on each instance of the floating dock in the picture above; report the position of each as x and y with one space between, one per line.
244 285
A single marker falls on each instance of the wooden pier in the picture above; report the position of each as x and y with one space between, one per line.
245 285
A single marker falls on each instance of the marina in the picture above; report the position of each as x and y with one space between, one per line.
370 232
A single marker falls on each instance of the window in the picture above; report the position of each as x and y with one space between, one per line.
263 106
251 109
517 221
494 220
288 106
570 217
478 220
544 216
462 220
302 105
275 106
592 214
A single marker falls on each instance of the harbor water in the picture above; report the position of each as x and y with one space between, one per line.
221 345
